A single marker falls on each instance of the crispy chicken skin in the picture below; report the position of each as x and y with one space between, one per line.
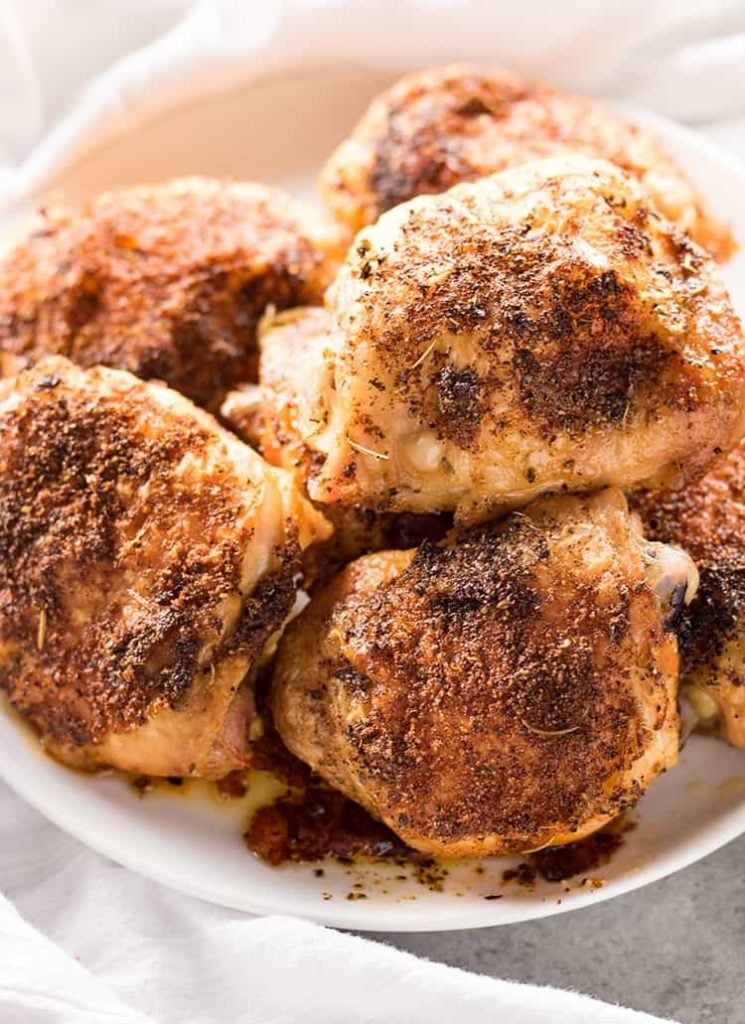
168 281
541 329
708 520
511 687
275 415
146 557
436 128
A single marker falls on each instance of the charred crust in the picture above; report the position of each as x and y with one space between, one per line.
443 126
569 345
714 618
586 358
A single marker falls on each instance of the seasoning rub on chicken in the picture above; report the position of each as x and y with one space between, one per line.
542 329
147 556
167 281
436 128
511 687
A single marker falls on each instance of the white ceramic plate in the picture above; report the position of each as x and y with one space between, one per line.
280 132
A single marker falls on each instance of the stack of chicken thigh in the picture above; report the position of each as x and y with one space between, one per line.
485 409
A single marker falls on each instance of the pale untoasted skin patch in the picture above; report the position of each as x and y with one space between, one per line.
510 687
146 558
535 331
708 520
167 281
436 128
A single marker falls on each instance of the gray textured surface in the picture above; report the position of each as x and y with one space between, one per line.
675 948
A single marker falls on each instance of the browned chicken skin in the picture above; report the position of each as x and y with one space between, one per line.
708 520
538 330
168 281
436 128
146 558
509 688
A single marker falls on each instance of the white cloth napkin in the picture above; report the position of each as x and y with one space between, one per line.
114 947
137 952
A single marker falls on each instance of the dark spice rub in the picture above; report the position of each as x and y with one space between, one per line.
707 518
168 281
146 556
509 687
538 330
436 128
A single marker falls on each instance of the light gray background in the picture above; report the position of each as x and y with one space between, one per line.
675 948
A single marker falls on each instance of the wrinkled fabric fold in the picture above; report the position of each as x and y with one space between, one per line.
655 54
123 949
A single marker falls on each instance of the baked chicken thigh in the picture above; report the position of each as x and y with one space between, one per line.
167 282
511 687
538 330
708 520
436 128
146 558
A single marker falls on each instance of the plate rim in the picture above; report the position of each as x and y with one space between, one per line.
393 918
